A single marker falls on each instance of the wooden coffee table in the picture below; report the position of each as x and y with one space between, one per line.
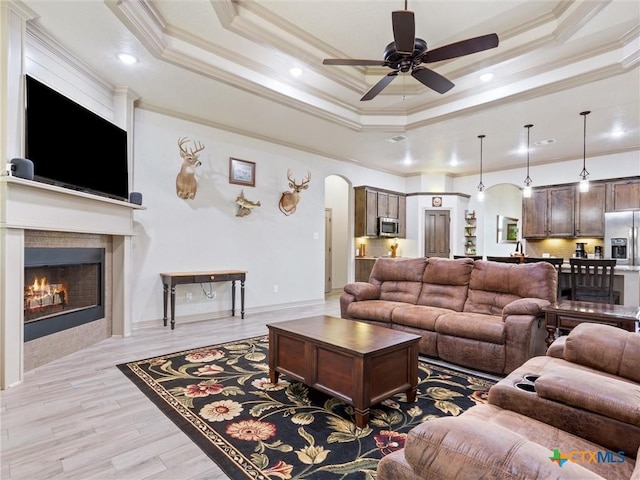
358 363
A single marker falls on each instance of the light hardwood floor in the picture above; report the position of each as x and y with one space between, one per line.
79 417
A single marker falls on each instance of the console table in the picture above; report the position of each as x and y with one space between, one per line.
170 280
569 313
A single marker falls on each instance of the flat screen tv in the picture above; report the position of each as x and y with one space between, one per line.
72 147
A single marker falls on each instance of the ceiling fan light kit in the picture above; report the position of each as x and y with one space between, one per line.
408 54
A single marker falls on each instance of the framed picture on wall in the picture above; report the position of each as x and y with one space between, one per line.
242 172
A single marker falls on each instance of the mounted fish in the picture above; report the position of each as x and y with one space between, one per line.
245 206
186 183
289 200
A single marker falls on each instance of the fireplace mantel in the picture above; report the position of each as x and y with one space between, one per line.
30 205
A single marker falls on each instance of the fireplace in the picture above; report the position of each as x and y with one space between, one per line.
63 289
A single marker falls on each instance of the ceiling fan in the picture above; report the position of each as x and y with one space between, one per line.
408 53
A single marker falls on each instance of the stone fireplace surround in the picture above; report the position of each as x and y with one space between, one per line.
36 214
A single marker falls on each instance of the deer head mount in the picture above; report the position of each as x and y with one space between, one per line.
289 200
186 183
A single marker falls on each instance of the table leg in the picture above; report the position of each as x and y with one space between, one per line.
165 298
241 298
411 394
362 417
233 298
173 307
551 335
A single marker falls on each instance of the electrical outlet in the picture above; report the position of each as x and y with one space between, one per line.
275 288
189 296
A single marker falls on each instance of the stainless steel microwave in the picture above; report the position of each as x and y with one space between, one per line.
388 227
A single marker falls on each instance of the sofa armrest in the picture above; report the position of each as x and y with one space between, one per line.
525 306
362 291
525 330
357 292
556 349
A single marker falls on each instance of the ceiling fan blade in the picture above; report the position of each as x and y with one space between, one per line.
431 79
354 61
378 87
404 30
459 49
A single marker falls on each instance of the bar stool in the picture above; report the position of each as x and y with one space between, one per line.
592 281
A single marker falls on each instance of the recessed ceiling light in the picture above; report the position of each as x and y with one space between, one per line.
127 58
485 77
295 71
617 133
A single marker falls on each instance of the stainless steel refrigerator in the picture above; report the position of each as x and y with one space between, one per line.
621 242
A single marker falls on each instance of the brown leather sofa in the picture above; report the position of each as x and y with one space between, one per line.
480 314
582 406
588 384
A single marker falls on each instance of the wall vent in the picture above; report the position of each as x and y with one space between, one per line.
396 138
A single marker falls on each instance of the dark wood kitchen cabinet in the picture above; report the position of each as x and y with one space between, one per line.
371 203
534 215
623 195
388 205
549 212
590 211
564 212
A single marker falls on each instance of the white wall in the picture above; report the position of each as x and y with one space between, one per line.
204 233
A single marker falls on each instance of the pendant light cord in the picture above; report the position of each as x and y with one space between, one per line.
481 185
584 174
528 181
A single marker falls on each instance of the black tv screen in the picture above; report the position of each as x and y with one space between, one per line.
71 146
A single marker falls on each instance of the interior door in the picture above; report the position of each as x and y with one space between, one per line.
328 257
437 233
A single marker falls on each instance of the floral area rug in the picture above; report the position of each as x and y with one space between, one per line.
221 397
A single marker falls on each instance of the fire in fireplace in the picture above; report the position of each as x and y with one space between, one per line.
64 288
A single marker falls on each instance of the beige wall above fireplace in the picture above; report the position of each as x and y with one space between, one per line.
28 205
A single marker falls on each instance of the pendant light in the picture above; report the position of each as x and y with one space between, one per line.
584 180
526 193
481 185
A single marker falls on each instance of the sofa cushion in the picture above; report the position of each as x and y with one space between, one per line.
476 326
445 283
418 316
493 285
613 397
613 351
375 310
399 280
